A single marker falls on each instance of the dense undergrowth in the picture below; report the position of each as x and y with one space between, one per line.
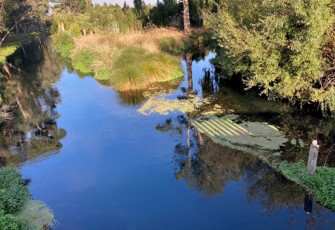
321 183
13 195
126 61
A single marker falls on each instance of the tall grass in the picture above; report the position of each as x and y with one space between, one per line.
129 61
63 43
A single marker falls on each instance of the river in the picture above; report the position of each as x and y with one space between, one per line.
110 167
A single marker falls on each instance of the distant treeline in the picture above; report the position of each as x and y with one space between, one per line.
81 16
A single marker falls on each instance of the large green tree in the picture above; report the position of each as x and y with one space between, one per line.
276 45
71 6
18 15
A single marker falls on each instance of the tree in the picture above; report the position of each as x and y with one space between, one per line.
16 13
138 5
276 46
186 16
71 6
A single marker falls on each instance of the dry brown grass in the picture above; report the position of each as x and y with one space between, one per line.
109 42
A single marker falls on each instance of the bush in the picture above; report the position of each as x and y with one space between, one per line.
13 193
83 60
63 43
10 222
322 182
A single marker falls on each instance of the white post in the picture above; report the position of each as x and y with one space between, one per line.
313 157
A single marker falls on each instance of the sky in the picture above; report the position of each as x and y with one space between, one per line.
120 2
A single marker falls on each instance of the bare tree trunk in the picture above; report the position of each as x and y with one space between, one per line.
187 27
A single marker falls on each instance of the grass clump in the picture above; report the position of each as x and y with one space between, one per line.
321 183
83 60
127 61
146 68
63 43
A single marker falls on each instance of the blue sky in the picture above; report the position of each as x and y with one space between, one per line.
120 2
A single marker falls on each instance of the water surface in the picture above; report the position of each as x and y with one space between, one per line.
117 169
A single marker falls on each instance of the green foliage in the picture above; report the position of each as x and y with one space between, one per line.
275 45
322 182
83 60
71 6
104 18
10 222
170 12
103 72
15 15
135 68
12 192
63 43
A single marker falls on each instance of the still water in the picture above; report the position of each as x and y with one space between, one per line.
115 168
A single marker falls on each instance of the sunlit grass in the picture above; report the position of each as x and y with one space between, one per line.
130 61
136 68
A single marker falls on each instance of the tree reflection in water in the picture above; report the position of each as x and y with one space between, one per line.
208 167
34 132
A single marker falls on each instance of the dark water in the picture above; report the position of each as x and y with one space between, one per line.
110 167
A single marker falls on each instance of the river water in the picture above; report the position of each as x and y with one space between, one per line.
103 165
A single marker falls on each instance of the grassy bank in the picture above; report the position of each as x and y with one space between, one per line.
127 61
321 183
17 211
11 45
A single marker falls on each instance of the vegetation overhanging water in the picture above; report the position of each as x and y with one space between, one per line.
127 170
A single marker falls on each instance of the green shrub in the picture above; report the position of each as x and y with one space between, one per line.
10 222
322 182
63 43
83 60
13 193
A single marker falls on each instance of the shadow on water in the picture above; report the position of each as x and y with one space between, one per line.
34 131
299 126
209 167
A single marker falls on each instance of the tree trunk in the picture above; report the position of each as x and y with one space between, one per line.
187 27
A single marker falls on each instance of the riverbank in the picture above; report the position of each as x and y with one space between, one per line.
266 130
125 61
17 210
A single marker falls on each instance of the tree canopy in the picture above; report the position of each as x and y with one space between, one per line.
277 46
21 16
